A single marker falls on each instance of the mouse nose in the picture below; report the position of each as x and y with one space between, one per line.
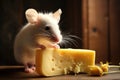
55 39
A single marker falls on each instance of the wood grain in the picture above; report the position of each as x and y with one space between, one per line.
98 28
101 25
85 24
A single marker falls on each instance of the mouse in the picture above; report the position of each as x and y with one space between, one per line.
41 31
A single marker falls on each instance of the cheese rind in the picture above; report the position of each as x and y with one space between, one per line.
51 62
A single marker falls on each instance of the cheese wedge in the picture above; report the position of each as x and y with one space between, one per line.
51 62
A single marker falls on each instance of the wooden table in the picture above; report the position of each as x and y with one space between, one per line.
17 73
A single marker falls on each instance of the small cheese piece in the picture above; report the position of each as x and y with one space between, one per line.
43 41
98 70
51 62
104 67
95 71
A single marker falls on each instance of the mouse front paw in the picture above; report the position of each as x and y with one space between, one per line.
55 46
29 68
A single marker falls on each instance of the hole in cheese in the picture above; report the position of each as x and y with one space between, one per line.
61 61
52 59
53 69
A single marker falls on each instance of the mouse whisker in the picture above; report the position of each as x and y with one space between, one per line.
70 41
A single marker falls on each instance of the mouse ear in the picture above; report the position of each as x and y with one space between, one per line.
32 16
57 14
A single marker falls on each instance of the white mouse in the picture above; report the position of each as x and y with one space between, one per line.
40 27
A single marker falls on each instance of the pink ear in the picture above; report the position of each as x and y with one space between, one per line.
57 14
32 16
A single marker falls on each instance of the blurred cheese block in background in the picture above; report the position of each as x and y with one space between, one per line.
51 62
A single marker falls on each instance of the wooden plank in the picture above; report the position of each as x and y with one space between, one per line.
17 73
85 38
98 28
115 30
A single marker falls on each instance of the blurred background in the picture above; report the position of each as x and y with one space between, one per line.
95 22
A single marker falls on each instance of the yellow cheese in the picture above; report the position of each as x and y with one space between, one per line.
43 41
51 62
95 71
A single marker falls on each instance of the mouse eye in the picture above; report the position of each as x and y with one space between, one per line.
47 28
